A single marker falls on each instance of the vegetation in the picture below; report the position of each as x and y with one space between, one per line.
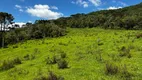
33 31
125 18
85 58
5 19
97 47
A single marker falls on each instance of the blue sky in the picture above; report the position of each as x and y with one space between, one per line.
31 10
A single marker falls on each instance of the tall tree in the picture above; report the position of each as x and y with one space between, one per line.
5 20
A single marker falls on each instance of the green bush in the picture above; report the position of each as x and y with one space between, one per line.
7 64
125 52
52 60
27 57
139 35
52 76
63 55
62 64
111 69
17 61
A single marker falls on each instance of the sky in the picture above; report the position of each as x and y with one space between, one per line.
31 10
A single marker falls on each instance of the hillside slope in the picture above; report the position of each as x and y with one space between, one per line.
90 54
125 18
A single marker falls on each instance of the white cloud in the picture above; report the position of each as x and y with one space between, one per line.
113 7
43 11
18 23
122 3
85 3
21 10
96 2
29 21
19 7
119 2
54 7
81 2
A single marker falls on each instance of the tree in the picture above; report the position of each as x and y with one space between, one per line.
5 20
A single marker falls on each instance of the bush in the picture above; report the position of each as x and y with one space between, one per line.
52 60
111 69
17 61
27 57
125 52
7 65
63 55
139 35
62 64
52 76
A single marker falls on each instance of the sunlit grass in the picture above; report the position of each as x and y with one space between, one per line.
87 53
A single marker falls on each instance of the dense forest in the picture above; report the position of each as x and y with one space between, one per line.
125 18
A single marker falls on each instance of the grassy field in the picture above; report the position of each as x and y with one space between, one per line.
91 54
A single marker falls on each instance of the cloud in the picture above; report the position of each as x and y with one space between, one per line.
29 21
20 24
113 7
21 10
43 11
122 3
54 7
85 3
96 2
119 2
19 7
81 2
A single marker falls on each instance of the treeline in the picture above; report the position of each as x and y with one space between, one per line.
30 31
33 31
125 18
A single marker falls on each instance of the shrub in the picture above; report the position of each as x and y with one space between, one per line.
27 57
125 52
15 46
62 64
52 60
48 61
52 76
63 55
111 69
17 61
139 35
7 65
